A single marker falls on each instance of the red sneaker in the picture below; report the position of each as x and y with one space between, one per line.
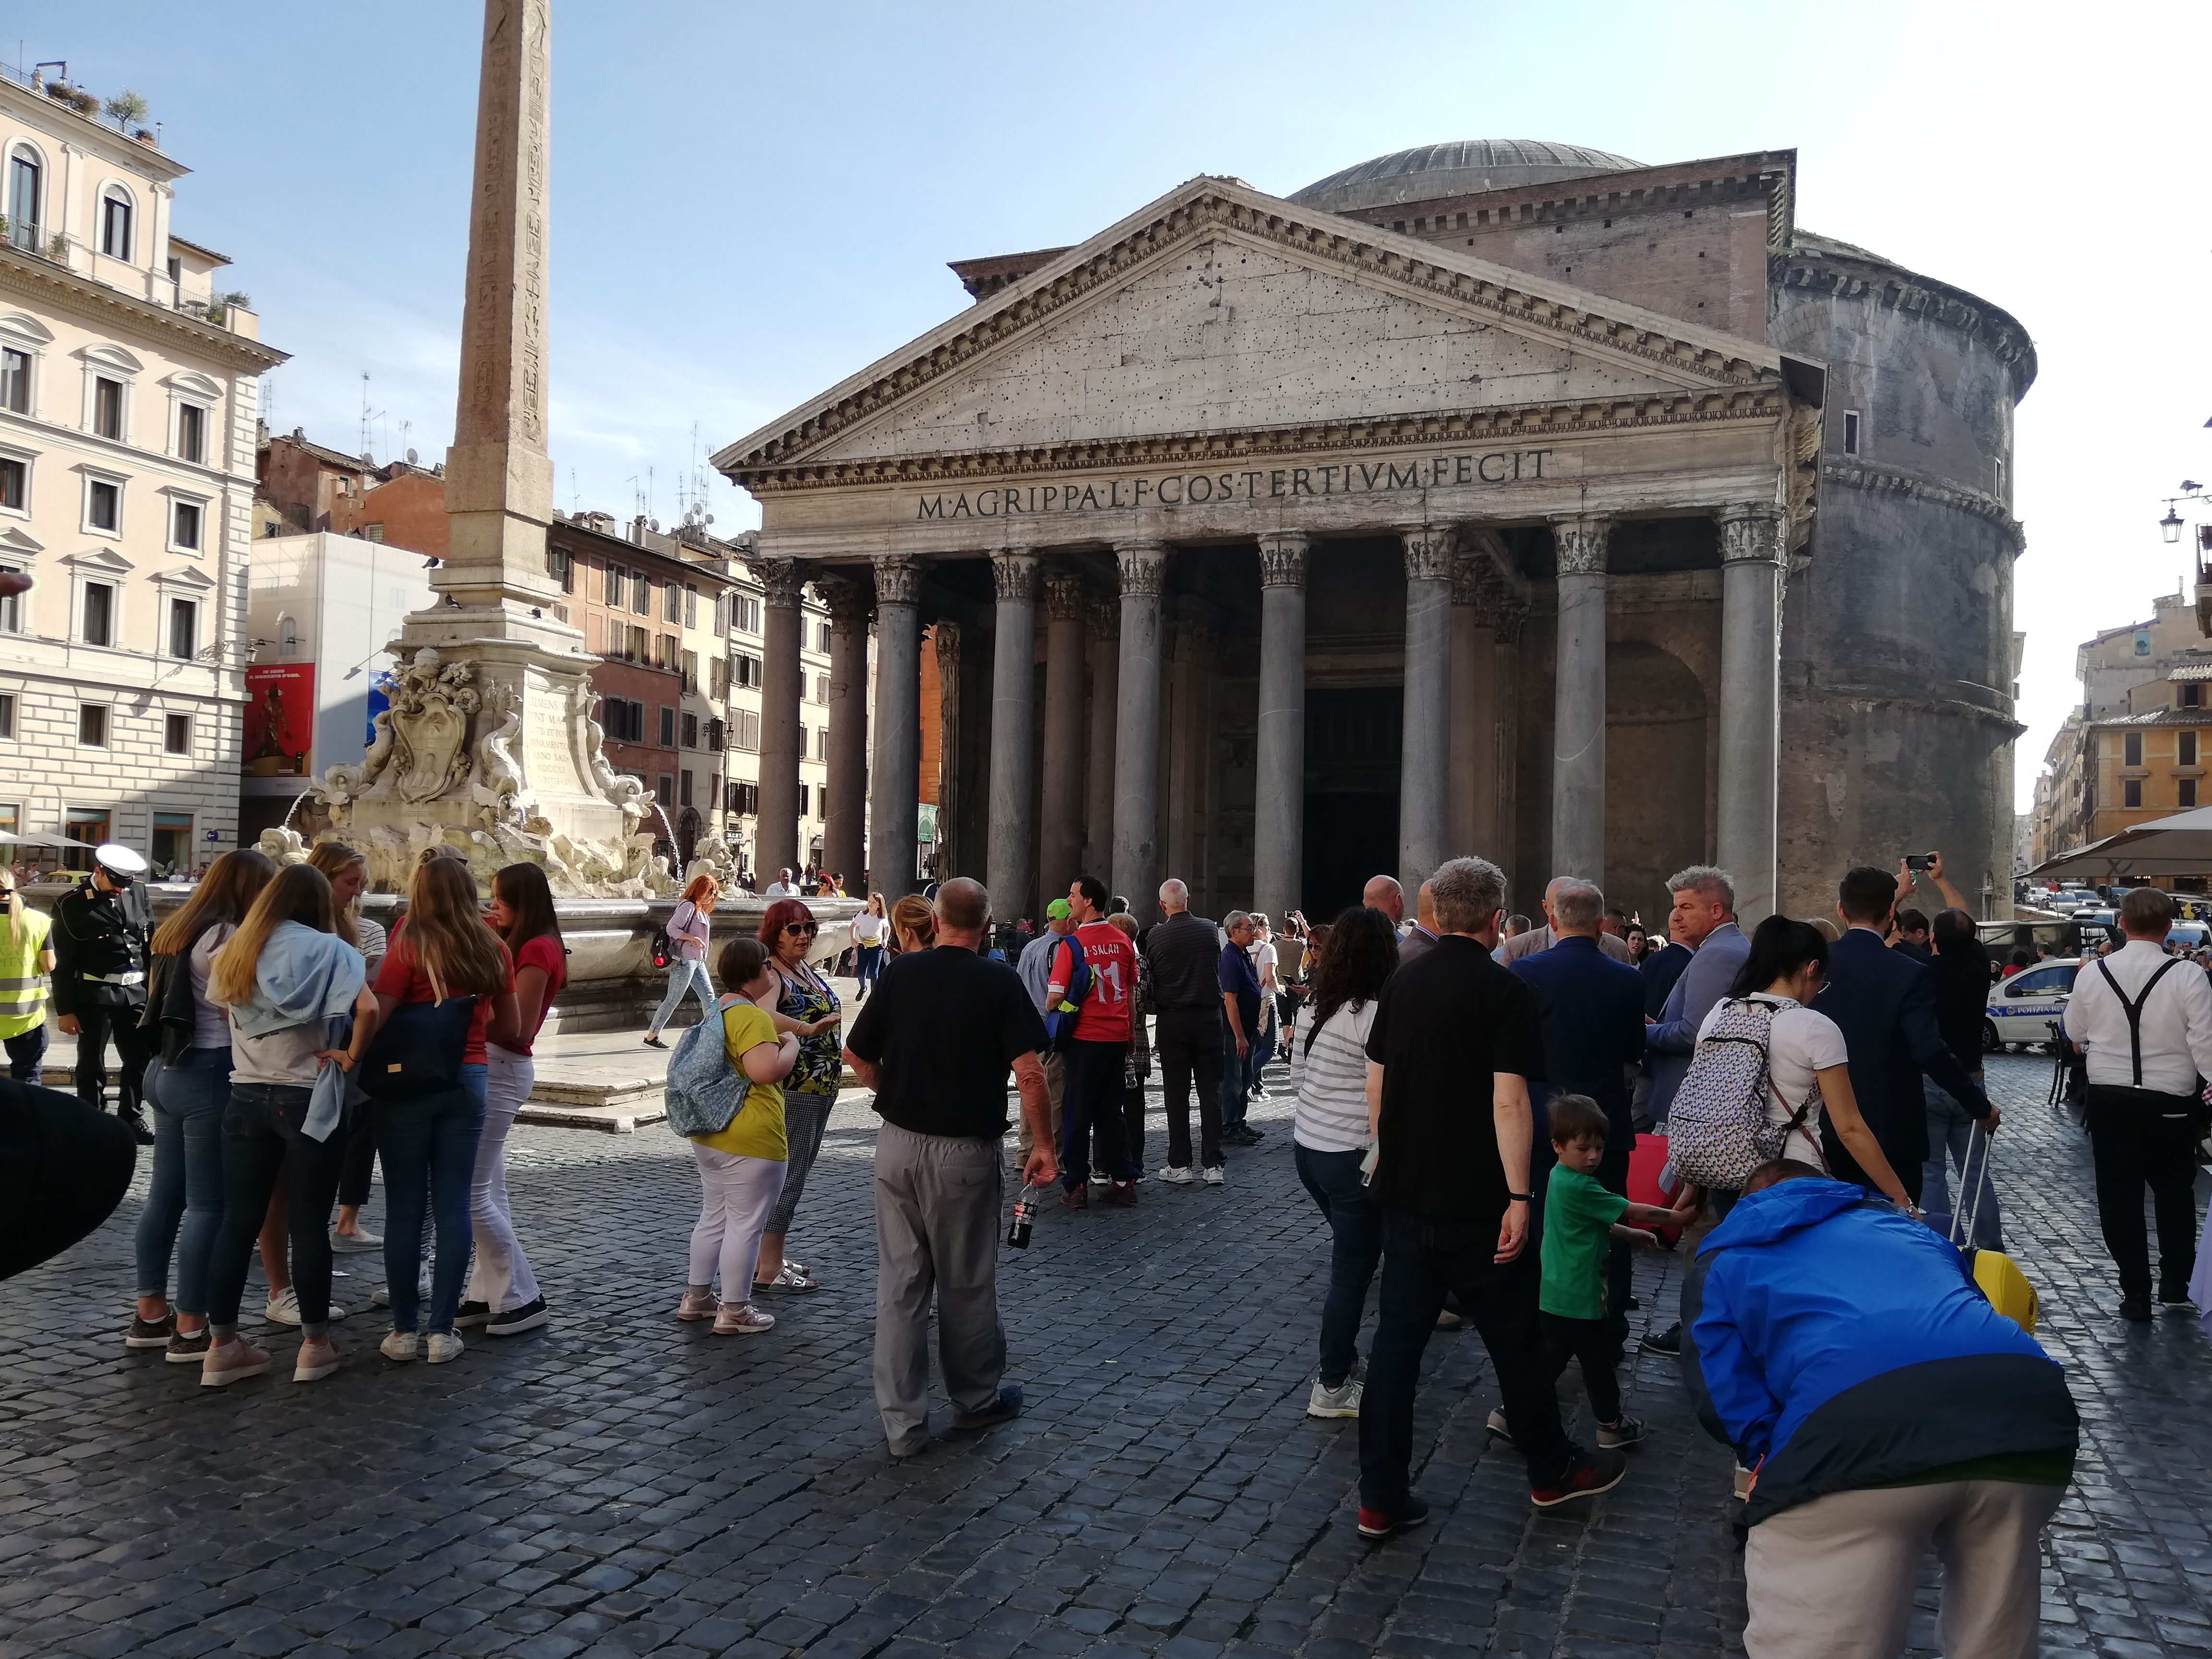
1076 1198
1122 1193
1586 1475
1379 1524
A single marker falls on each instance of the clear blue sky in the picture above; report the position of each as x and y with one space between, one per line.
752 201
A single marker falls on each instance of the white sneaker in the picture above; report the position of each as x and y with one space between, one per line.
439 1346
1342 1400
1177 1175
1099 1178
283 1307
1215 1176
400 1345
355 1243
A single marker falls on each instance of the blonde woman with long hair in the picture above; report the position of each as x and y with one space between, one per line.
689 931
870 929
188 1086
25 958
287 981
442 951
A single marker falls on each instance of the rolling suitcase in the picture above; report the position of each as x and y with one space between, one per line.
1996 1274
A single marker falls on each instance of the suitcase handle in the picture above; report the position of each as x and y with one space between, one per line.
1977 1134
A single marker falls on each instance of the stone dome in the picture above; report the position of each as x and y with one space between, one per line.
1435 170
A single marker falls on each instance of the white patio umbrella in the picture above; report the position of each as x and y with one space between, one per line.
2178 846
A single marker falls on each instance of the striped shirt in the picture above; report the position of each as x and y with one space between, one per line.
1332 1077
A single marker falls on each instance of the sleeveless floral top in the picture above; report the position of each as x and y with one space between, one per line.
806 997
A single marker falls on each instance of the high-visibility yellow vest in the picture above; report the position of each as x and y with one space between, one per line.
23 981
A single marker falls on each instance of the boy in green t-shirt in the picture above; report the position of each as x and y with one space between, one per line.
1581 1220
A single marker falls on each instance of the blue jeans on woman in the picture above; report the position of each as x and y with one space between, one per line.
184 1205
684 974
1951 1140
1355 1223
870 962
428 1145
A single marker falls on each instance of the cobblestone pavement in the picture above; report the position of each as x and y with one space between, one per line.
620 1484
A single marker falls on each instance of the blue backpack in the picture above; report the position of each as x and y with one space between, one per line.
1060 1020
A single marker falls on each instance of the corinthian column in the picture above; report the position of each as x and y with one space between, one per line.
1425 749
844 836
1062 852
1136 725
1751 647
776 841
1278 803
1011 847
1579 702
895 781
1105 621
1472 809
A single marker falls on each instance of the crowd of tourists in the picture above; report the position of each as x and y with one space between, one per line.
1818 1086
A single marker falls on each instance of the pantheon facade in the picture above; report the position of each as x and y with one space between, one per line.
1499 497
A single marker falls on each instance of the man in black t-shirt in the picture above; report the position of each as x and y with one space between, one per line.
1185 955
1454 1041
935 1041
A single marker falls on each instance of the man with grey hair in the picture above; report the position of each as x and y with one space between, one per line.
1454 1041
1184 954
1704 918
1541 939
935 1043
1239 986
1593 1015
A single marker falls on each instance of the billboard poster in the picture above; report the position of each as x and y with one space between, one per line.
280 718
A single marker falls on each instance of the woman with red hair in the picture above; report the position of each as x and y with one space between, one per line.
689 931
805 1005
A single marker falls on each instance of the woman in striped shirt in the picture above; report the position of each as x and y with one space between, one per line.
1330 1138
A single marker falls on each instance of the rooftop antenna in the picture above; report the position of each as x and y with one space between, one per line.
576 498
367 415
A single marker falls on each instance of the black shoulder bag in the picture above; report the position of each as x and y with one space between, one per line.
418 1051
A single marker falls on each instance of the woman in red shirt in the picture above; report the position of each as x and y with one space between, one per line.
442 951
503 1295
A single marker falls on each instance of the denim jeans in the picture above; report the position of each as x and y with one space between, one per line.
428 1145
684 974
1355 1222
26 1054
261 1135
1422 1259
184 1205
1950 1139
868 964
1235 1079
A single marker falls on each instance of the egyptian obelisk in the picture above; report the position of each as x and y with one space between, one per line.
489 747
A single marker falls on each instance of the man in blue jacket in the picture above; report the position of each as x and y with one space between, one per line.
1885 1004
1882 1406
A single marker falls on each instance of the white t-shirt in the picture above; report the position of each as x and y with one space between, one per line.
869 929
1263 966
1800 1044
777 890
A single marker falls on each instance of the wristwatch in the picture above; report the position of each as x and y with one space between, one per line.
1520 1198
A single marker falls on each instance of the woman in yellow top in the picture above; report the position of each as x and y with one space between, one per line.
741 1166
26 959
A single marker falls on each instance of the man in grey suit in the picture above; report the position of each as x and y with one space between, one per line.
1704 918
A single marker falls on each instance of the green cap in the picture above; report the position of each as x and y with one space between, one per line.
1056 911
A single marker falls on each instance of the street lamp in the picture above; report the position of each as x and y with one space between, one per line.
2170 525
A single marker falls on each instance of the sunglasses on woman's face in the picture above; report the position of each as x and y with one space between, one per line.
802 928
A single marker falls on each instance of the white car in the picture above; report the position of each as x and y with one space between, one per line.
2022 1007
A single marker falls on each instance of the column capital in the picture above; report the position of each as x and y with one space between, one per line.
1428 554
1105 620
1283 559
782 580
1751 532
1013 573
1475 579
1063 596
1507 621
1144 567
1581 545
899 578
850 599
945 635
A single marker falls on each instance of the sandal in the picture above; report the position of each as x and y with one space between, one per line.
793 1280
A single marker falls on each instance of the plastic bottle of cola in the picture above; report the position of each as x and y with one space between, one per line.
1017 1235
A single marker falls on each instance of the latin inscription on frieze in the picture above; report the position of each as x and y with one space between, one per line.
1472 469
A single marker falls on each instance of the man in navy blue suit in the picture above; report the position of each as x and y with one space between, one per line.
1593 1017
1885 1002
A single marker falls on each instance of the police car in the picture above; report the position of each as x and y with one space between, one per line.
2021 1008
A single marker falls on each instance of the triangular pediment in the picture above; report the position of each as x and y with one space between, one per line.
1219 310
12 540
104 559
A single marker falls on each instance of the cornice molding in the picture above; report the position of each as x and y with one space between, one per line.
1210 207
1890 480
54 286
1863 276
1514 425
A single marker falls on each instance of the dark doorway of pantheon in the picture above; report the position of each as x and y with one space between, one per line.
1352 794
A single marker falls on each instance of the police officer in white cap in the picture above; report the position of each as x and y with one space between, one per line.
101 929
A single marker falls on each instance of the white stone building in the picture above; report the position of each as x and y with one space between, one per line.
128 394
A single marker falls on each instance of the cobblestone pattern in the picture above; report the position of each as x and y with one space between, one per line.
620 1484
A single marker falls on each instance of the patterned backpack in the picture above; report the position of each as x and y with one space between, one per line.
1718 1131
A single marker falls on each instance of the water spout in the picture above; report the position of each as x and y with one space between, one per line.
294 807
